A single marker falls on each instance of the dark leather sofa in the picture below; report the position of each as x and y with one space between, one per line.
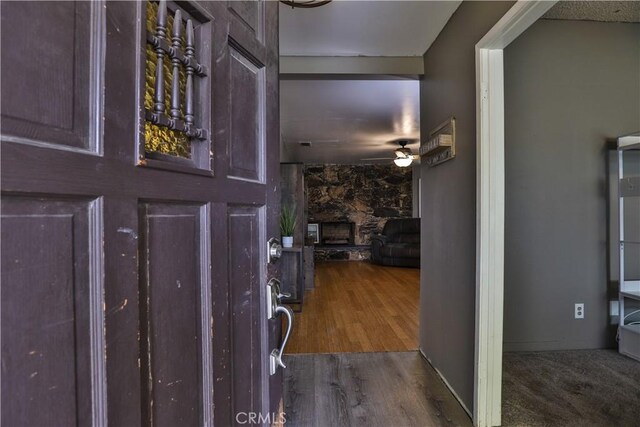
399 243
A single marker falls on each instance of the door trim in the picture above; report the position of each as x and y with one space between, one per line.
490 203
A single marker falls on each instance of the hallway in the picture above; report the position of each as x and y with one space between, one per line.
367 389
358 307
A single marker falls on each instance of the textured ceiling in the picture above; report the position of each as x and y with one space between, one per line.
604 11
367 28
347 120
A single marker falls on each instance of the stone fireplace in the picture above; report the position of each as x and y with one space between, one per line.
351 203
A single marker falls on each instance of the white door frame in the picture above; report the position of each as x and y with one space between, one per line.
490 206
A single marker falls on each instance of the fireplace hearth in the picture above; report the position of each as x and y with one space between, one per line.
337 233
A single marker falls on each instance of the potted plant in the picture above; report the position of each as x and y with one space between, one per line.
287 225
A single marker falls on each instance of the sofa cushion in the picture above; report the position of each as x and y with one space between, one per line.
400 250
401 225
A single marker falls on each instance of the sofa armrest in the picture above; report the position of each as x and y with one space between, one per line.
379 239
377 242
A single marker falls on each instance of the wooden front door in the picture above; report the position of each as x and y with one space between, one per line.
139 187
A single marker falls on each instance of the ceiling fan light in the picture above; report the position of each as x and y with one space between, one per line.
403 162
403 152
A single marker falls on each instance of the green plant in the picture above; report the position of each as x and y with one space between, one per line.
288 220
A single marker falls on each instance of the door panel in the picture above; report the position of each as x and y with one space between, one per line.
49 90
159 262
246 158
48 312
245 278
251 14
122 314
172 350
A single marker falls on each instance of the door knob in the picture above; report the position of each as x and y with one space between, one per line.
274 250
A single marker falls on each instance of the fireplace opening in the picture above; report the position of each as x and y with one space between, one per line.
338 233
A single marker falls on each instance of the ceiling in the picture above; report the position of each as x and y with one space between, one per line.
603 11
347 120
350 120
368 28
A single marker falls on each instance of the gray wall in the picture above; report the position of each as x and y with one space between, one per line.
447 283
569 85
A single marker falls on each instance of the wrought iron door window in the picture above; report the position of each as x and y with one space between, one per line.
176 126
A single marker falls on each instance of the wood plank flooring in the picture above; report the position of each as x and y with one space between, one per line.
367 389
358 307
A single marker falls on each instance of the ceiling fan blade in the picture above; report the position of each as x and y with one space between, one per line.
379 158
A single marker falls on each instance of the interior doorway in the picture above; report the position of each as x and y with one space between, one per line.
503 191
561 296
350 138
357 241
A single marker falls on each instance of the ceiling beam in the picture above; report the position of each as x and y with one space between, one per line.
351 67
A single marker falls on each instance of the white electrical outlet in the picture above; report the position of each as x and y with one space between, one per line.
614 308
579 311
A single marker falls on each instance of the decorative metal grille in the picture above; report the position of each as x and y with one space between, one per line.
171 67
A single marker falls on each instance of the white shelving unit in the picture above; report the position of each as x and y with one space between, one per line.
629 295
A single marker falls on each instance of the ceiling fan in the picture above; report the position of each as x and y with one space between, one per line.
403 156
305 3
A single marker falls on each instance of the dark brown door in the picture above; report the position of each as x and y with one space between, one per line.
139 188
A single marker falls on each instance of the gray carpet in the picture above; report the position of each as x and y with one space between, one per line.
570 388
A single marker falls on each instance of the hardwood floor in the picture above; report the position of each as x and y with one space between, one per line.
358 307
367 389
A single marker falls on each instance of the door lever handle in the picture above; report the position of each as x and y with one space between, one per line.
283 295
273 309
274 297
275 359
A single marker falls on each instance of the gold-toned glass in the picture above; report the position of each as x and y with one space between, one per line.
160 139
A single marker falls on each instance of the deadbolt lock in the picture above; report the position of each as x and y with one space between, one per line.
274 250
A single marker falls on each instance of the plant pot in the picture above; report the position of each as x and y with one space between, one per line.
287 241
